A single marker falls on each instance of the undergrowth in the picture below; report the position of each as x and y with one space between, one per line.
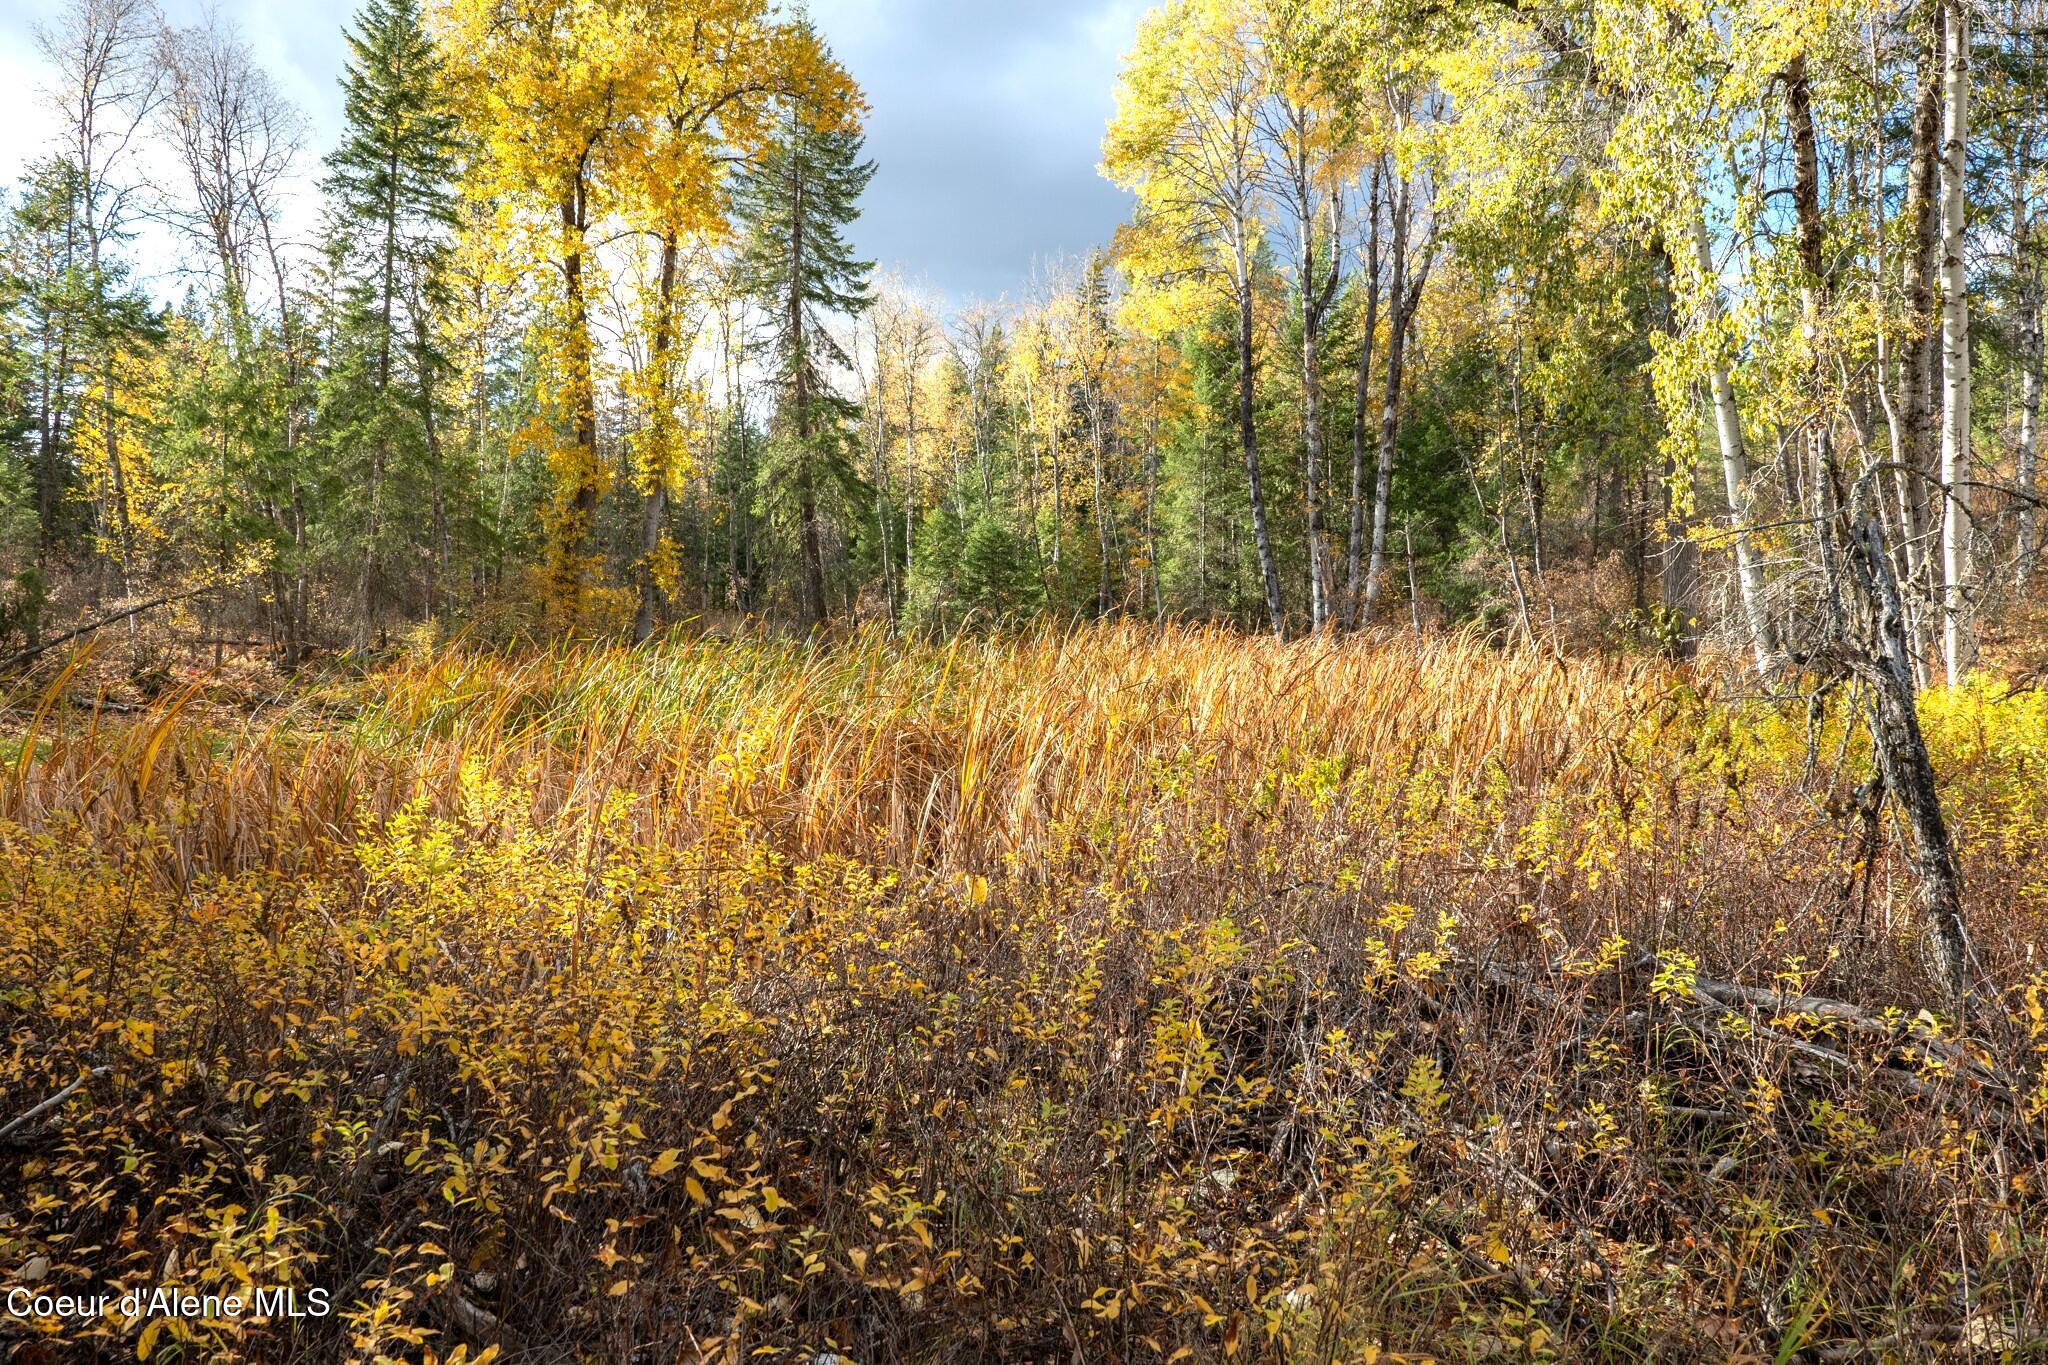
1119 995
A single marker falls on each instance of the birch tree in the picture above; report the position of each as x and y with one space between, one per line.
1186 140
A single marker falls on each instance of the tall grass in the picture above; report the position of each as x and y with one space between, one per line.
1112 995
944 758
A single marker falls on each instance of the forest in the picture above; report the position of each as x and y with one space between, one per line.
1433 751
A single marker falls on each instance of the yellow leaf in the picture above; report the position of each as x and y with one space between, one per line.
695 1190
619 1287
666 1162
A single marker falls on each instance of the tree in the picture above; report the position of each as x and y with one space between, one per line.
552 88
2013 85
616 112
1185 139
52 291
235 137
392 210
717 71
1095 345
1409 268
796 199
1312 127
107 84
1959 644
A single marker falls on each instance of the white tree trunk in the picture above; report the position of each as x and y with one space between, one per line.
1749 571
2030 436
1959 644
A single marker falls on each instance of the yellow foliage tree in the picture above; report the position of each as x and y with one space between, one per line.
1186 140
628 112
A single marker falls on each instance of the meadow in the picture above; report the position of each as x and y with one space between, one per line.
1117 994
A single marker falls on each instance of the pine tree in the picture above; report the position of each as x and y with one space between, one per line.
44 281
796 199
393 209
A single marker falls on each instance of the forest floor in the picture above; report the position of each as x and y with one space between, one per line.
1123 995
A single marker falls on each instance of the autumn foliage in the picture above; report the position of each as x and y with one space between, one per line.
1142 995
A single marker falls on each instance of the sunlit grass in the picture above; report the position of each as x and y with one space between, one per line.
1131 992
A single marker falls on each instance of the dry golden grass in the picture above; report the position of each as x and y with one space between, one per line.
1120 995
941 758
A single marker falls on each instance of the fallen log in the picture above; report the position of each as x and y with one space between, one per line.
36 651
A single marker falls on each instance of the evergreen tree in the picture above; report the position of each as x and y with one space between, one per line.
47 286
796 199
392 210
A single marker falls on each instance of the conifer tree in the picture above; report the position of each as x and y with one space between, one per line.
392 212
796 200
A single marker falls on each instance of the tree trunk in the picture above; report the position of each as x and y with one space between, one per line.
1678 575
910 461
1959 642
881 468
1315 298
1894 721
654 507
1917 372
1414 592
1105 591
573 531
1390 402
49 454
2030 431
1151 528
117 478
1734 466
1354 545
1248 438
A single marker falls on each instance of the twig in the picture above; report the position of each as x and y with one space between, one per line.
51 1103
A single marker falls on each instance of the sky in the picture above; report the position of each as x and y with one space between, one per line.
986 120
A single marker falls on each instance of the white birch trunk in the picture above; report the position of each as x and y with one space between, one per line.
1749 572
1959 645
2030 437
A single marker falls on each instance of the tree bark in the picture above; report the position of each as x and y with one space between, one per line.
572 534
1734 467
1248 437
1959 634
1316 294
1398 307
1354 547
811 548
1679 583
654 506
2028 457
1916 379
1894 721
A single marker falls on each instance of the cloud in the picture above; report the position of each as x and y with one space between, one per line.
986 125
986 121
